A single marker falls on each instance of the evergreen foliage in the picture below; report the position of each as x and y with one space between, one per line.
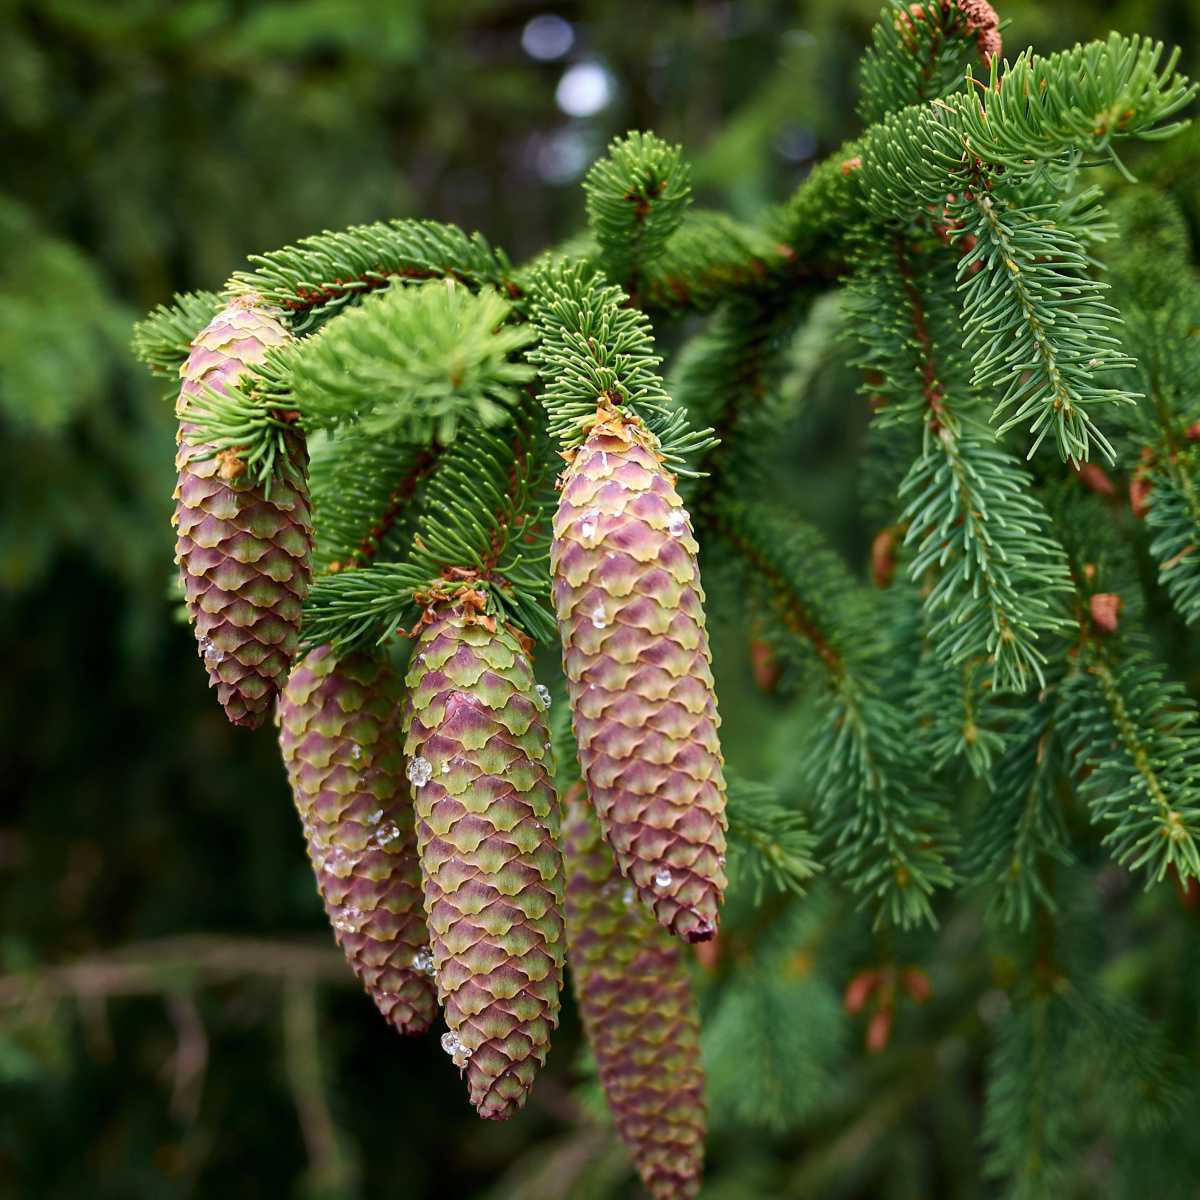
989 727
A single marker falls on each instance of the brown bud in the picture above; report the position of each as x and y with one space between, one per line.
859 989
883 556
1105 606
231 467
765 664
916 984
1094 478
707 954
879 1030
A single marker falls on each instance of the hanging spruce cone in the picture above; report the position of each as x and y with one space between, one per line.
340 735
480 768
635 651
638 1011
243 557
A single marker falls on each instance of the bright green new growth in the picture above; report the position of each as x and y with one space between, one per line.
984 728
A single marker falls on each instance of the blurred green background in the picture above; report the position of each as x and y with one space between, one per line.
174 1019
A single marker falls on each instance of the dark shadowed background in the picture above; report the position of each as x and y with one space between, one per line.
174 1018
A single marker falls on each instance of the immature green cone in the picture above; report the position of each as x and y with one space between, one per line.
480 769
635 651
340 732
243 557
638 1011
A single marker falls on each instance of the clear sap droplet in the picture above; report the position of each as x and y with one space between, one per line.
604 460
356 753
599 620
629 896
721 861
588 526
677 523
339 862
446 767
662 877
419 771
452 1044
543 694
375 817
386 834
422 961
349 920
212 654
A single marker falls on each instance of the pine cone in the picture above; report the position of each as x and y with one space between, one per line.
340 732
635 651
638 1011
480 767
243 558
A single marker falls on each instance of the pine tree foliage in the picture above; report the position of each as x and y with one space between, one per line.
985 728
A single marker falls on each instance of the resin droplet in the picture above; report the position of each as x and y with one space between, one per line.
599 620
452 1044
588 526
604 460
339 862
356 753
375 817
422 961
386 834
212 654
349 920
419 772
629 896
677 523
662 877
543 694
446 767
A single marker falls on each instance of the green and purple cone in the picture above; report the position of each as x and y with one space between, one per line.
638 1010
635 652
480 765
340 732
243 558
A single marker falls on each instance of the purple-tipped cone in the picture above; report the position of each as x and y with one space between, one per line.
635 651
243 557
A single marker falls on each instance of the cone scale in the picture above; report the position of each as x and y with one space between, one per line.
340 733
243 557
479 761
635 651
638 1010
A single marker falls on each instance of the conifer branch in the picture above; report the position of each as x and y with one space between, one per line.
363 491
482 528
770 842
637 195
594 348
1019 828
1000 578
998 575
710 257
1173 518
1037 325
319 275
409 363
892 838
1134 740
920 52
163 338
